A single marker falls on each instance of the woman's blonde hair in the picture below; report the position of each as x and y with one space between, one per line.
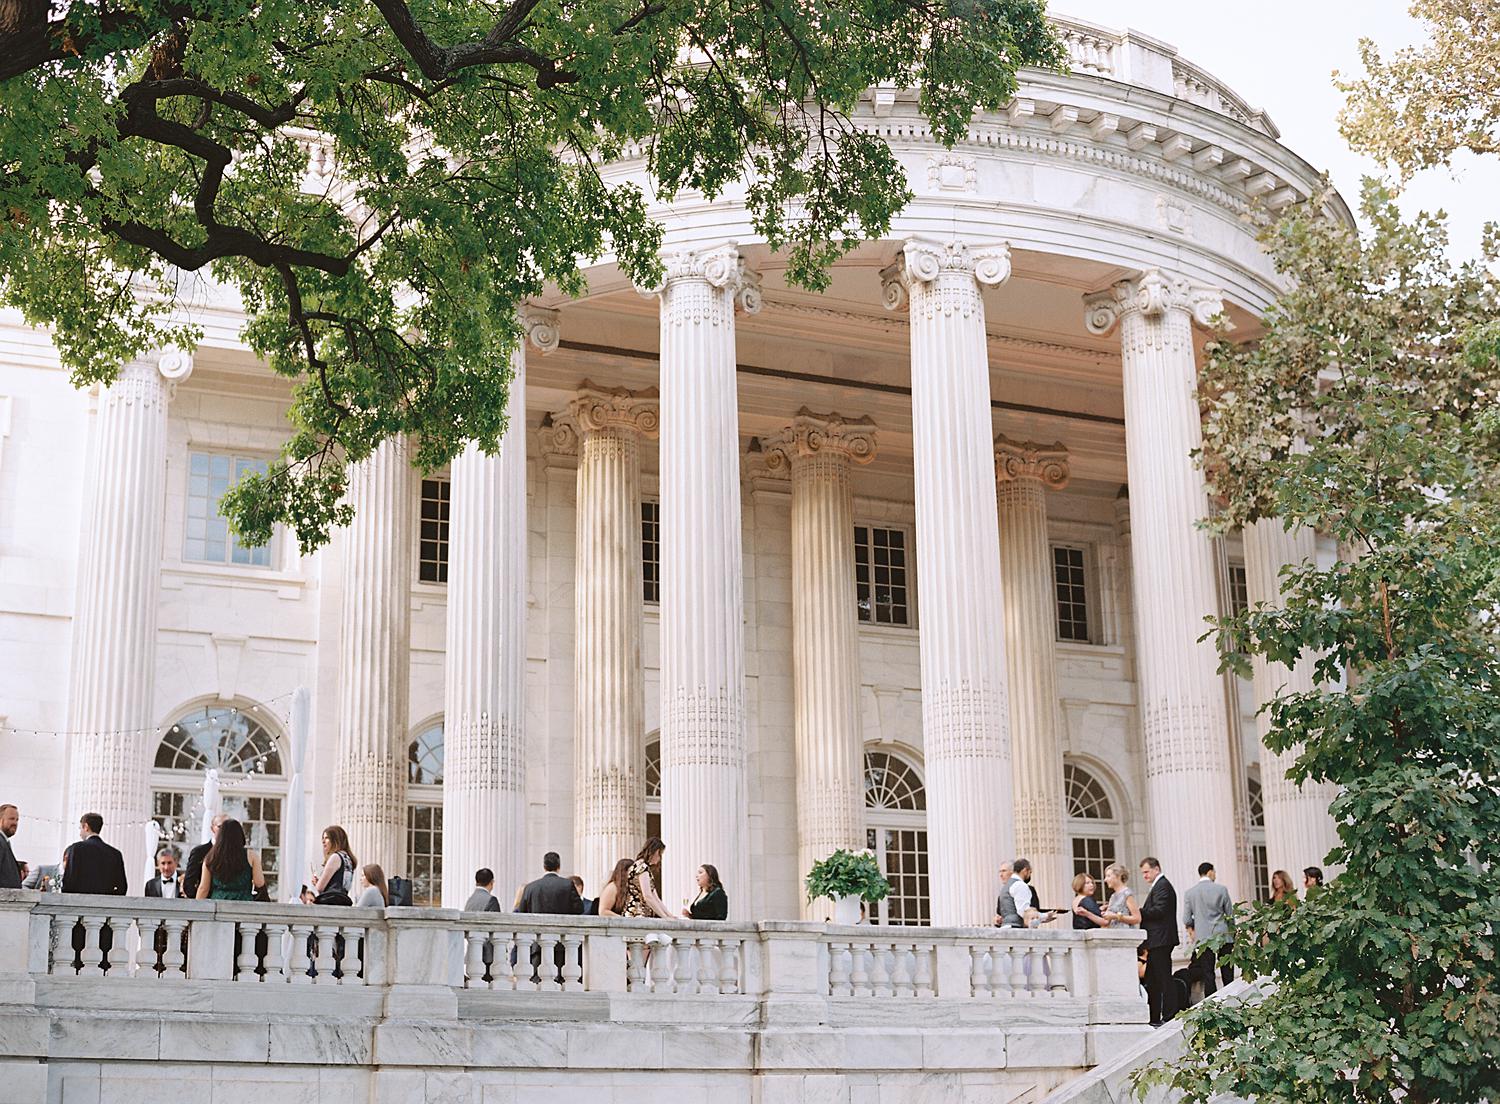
1119 872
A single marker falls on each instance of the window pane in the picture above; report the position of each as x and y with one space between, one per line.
207 537
1069 579
651 550
878 557
432 550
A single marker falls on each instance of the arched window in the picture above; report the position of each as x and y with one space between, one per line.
896 831
235 740
424 814
653 785
1093 821
1260 866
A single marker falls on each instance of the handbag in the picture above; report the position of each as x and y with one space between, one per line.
399 891
333 897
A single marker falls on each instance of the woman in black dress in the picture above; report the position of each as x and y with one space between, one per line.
711 903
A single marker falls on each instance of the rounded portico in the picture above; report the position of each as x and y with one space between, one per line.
787 528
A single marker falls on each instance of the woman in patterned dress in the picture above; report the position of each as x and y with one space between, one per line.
641 899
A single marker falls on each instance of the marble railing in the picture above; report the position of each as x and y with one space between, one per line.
173 942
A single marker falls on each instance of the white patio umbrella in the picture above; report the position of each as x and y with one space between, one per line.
294 823
213 804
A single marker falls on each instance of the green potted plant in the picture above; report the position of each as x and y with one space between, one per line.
847 878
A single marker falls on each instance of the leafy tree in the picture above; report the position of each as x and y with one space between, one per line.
1367 410
383 182
1424 104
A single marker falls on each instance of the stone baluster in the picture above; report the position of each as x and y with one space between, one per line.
820 451
484 776
609 809
965 712
1181 697
1299 831
1026 471
111 712
369 788
703 769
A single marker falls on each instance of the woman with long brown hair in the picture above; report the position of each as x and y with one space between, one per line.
335 881
373 892
612 896
640 886
1283 892
231 871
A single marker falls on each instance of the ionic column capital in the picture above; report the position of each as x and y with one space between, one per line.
721 267
559 436
1152 295
922 261
540 326
598 408
813 434
1017 460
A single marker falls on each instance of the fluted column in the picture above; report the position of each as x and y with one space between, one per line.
369 797
1025 472
703 783
484 703
110 707
609 811
1181 698
1299 831
820 450
965 712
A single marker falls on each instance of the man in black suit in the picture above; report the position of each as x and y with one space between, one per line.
12 873
1159 919
91 865
167 882
194 872
551 894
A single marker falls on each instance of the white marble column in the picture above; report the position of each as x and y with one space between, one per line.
609 810
111 712
965 710
1189 791
704 787
484 703
820 450
369 782
1025 472
1299 831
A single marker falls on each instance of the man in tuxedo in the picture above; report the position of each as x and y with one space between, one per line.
550 894
166 883
483 898
91 865
1206 912
12 873
194 873
1159 919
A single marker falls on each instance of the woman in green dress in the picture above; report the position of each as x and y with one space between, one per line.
231 871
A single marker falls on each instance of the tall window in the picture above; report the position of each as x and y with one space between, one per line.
207 538
432 548
234 741
1070 581
896 831
424 815
1239 593
651 550
880 579
1260 867
1093 822
653 787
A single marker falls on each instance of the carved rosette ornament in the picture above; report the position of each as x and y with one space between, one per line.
1174 565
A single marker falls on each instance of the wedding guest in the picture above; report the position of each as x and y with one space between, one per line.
483 898
166 883
1159 919
12 873
372 887
194 870
91 865
231 871
1312 881
1122 910
1282 890
590 904
640 887
611 899
1087 915
332 885
711 903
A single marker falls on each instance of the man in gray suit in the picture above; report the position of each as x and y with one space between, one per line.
483 897
1206 912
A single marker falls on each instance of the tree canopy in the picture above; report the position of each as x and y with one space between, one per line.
1368 411
384 182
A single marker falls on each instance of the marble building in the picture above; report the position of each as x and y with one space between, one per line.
909 564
